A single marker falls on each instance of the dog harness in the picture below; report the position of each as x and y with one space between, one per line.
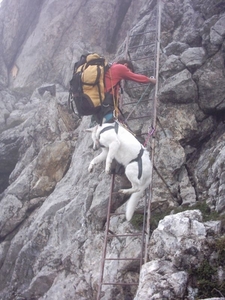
116 127
139 161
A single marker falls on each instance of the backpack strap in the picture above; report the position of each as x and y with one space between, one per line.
115 100
71 104
80 62
105 69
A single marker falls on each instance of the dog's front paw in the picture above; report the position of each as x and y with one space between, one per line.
90 168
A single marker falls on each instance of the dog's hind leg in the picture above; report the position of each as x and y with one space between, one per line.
101 157
131 204
131 172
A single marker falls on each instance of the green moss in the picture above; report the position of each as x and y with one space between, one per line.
207 213
205 271
212 161
210 289
205 287
204 279
157 216
220 246
137 220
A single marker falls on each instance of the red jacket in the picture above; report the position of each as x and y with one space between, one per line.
117 72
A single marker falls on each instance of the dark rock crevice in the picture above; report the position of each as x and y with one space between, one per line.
9 150
29 14
117 19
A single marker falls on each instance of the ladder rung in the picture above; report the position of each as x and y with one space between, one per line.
122 258
116 214
143 84
143 32
124 235
118 283
115 193
144 57
141 117
137 87
135 102
133 47
146 70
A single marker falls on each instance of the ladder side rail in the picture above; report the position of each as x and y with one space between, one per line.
143 32
154 126
143 232
134 102
106 238
139 46
122 81
108 235
144 57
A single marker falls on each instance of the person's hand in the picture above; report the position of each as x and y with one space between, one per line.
152 80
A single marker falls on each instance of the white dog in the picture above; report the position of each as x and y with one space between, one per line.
117 142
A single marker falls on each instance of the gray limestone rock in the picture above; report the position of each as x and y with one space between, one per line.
52 211
177 241
193 58
179 88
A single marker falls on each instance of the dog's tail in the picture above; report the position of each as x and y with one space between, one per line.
131 204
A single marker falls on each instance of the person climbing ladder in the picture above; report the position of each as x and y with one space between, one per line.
121 70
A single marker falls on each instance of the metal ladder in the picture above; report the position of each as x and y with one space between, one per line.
109 235
144 234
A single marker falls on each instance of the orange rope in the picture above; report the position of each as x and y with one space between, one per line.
115 99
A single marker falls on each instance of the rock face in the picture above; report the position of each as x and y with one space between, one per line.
175 245
52 212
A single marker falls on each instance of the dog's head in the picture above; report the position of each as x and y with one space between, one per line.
94 137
